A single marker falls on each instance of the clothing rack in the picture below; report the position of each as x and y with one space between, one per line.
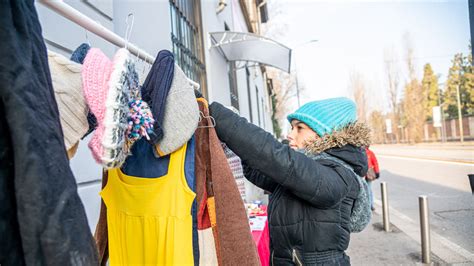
87 23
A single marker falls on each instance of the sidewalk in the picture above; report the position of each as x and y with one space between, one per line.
449 153
373 246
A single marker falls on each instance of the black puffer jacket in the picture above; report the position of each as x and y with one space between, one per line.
311 201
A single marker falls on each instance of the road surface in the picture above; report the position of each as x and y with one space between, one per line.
438 176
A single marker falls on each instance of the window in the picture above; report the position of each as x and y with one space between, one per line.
247 72
186 36
232 71
258 106
234 92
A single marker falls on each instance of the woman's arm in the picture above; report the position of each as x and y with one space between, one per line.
258 179
312 181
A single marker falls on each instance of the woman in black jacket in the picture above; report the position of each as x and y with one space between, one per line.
312 180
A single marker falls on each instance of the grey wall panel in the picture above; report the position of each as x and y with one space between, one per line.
151 27
243 92
90 197
105 7
62 31
84 167
216 65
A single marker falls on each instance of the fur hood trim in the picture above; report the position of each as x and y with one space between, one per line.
356 134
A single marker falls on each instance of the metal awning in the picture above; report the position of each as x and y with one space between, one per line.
243 46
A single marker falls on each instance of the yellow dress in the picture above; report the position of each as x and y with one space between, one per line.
149 219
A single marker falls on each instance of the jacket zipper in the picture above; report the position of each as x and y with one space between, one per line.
273 253
296 259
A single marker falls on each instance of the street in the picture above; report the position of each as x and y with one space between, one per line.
444 181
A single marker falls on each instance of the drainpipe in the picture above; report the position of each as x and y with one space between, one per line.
259 19
221 6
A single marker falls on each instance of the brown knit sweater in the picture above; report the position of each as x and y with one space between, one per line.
234 240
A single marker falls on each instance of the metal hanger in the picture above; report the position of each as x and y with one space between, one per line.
128 30
202 116
87 39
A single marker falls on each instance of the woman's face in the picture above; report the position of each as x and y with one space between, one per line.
300 134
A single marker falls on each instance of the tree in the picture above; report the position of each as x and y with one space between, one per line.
377 124
276 124
358 89
460 74
414 100
284 85
430 90
393 80
284 92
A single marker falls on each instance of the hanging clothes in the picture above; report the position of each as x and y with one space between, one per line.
101 231
78 56
155 90
107 85
42 219
204 194
80 53
149 219
181 115
67 86
234 242
142 163
237 170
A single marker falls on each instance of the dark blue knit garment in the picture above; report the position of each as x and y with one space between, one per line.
155 90
78 56
80 53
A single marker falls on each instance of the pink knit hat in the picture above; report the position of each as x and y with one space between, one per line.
107 95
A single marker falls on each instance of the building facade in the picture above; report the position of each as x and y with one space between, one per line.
181 26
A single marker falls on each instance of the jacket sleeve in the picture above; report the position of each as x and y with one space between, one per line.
318 184
259 179
374 162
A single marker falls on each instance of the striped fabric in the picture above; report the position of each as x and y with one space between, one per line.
326 116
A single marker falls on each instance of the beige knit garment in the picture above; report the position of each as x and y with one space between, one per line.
67 86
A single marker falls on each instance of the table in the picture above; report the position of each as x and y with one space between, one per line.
262 240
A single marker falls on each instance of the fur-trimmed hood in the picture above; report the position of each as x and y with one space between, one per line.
357 134
347 144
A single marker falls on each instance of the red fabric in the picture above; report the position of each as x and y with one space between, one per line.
372 160
262 240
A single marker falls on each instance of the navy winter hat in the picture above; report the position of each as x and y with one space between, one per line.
155 90
326 116
78 56
80 53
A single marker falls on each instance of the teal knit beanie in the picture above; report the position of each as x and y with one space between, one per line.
327 115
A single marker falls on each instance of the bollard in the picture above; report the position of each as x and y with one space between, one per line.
386 220
425 229
471 181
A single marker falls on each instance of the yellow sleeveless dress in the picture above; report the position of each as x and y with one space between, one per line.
149 219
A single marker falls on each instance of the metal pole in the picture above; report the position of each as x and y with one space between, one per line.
293 54
425 229
297 88
386 220
461 131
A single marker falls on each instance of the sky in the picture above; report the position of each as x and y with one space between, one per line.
353 35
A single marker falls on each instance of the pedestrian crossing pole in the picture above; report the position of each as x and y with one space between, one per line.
386 220
425 229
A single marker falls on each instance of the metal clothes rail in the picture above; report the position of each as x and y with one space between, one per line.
87 23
